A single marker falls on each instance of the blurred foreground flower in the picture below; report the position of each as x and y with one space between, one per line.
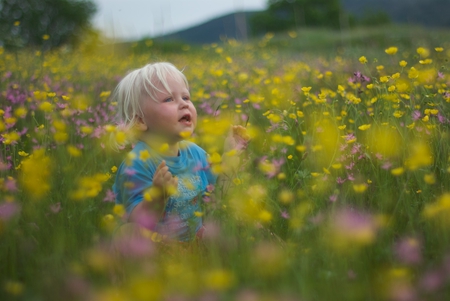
438 212
408 250
349 229
35 176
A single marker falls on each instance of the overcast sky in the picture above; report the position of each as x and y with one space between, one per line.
131 19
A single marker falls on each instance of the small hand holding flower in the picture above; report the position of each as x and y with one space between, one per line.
237 139
235 143
165 181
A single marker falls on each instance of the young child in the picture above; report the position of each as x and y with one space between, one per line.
163 179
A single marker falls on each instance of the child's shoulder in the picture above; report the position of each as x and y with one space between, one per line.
192 147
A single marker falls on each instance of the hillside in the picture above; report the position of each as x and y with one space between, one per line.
432 13
231 26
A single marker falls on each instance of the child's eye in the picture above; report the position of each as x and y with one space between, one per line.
186 98
168 99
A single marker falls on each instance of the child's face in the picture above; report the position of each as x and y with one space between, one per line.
171 114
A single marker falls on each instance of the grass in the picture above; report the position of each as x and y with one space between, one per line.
343 192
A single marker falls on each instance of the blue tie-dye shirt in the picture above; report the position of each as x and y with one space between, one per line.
135 176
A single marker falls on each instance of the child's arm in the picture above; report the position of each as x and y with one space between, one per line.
165 185
236 141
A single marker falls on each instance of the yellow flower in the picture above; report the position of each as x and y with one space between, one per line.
114 169
237 181
144 155
403 63
35 176
364 127
360 188
20 112
119 209
306 89
439 49
363 60
121 138
23 154
185 134
286 196
398 114
86 129
429 179
45 37
413 73
73 151
423 52
391 50
265 216
384 79
397 171
438 211
426 61
46 106
14 288
215 158
219 280
300 148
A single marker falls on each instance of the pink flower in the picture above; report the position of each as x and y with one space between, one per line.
55 208
416 115
386 165
8 210
431 281
408 250
10 185
110 196
134 245
333 198
340 181
130 171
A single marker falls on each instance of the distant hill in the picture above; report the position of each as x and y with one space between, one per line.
433 13
231 26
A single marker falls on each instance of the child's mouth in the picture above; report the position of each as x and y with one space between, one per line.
185 119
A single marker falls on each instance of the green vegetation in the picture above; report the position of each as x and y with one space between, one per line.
343 193
44 24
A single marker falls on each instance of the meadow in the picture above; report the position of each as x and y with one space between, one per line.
343 192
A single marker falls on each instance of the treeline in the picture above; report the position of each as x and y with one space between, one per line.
424 12
288 14
44 24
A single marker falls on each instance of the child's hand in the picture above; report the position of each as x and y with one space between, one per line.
237 139
164 180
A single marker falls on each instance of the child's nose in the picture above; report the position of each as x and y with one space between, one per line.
183 103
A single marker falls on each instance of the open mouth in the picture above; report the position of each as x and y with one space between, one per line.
185 118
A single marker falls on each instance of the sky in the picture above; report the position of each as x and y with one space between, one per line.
134 19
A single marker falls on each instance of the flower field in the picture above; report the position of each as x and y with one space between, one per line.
343 192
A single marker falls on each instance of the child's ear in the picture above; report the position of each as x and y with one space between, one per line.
140 124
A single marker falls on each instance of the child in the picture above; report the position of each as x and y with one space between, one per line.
163 179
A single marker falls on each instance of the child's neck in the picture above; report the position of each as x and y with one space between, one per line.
162 147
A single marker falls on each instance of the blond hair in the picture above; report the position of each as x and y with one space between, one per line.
134 88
